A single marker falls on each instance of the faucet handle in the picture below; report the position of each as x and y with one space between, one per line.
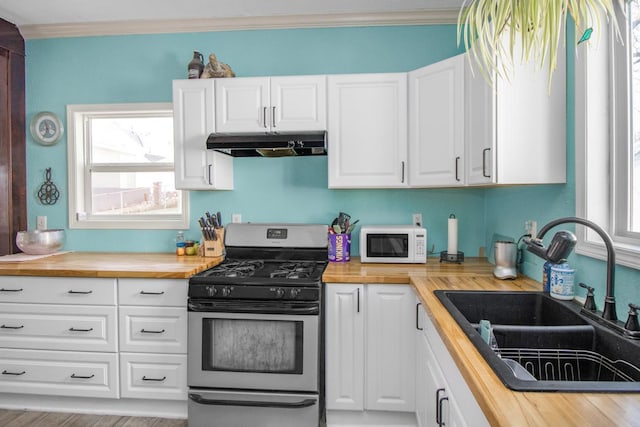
632 320
589 302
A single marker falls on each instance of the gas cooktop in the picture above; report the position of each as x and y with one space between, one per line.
263 272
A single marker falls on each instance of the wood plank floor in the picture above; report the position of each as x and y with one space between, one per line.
10 418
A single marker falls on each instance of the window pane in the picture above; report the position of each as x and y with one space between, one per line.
634 193
131 139
134 193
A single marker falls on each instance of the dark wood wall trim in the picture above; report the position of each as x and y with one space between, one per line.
13 206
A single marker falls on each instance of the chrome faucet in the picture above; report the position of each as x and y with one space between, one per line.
562 245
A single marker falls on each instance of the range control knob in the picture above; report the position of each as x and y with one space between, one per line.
294 292
226 291
279 292
211 290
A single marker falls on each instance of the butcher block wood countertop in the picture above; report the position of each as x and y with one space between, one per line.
501 406
111 264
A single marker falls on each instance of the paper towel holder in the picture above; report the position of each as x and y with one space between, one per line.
454 257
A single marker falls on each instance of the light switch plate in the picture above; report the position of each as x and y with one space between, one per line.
41 222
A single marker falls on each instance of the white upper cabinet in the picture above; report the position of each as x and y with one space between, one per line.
367 130
436 124
271 104
516 133
197 168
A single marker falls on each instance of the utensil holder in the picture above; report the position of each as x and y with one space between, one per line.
339 247
214 248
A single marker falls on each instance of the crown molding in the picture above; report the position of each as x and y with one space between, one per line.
112 28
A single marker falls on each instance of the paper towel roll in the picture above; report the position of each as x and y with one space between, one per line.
452 247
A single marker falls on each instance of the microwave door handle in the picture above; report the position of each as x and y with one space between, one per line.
253 403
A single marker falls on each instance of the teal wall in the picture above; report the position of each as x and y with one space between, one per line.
140 69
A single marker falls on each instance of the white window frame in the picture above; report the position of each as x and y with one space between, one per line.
602 136
78 157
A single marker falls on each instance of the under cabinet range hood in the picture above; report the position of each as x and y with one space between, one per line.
281 144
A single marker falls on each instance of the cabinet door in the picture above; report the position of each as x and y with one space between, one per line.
298 103
367 127
344 353
479 122
154 376
153 329
59 373
390 360
422 379
516 130
196 168
457 404
436 124
153 292
242 104
58 327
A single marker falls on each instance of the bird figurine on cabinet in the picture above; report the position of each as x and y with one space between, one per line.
214 68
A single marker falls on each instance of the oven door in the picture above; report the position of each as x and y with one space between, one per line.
260 346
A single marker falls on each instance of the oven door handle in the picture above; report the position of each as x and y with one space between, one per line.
301 309
254 403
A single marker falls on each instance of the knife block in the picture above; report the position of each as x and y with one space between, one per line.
214 248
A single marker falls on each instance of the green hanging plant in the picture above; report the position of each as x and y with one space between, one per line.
493 29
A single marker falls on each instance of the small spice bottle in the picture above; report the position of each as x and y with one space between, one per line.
180 248
180 245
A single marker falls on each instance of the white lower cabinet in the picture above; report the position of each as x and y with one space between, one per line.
153 338
442 396
370 347
69 343
59 373
58 327
153 376
58 336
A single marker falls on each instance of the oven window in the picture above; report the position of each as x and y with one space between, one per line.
388 245
248 345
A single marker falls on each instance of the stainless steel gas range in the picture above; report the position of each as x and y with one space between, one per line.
256 342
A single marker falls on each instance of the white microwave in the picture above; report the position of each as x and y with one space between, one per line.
393 244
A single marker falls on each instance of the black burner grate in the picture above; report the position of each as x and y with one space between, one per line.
233 268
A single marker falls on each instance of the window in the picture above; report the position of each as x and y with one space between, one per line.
608 137
121 167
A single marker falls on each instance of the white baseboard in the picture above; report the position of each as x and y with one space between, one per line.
370 418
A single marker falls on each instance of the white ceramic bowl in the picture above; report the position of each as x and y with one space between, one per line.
40 242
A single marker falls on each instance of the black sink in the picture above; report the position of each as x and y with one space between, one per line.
543 344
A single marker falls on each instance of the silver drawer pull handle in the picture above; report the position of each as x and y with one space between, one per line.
10 290
84 377
5 372
12 327
144 378
80 292
151 293
72 329
144 331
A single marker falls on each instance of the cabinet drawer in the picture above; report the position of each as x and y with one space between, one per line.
58 327
153 376
58 290
155 292
153 329
59 373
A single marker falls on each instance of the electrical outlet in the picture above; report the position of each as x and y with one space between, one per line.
41 222
531 227
236 218
417 219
